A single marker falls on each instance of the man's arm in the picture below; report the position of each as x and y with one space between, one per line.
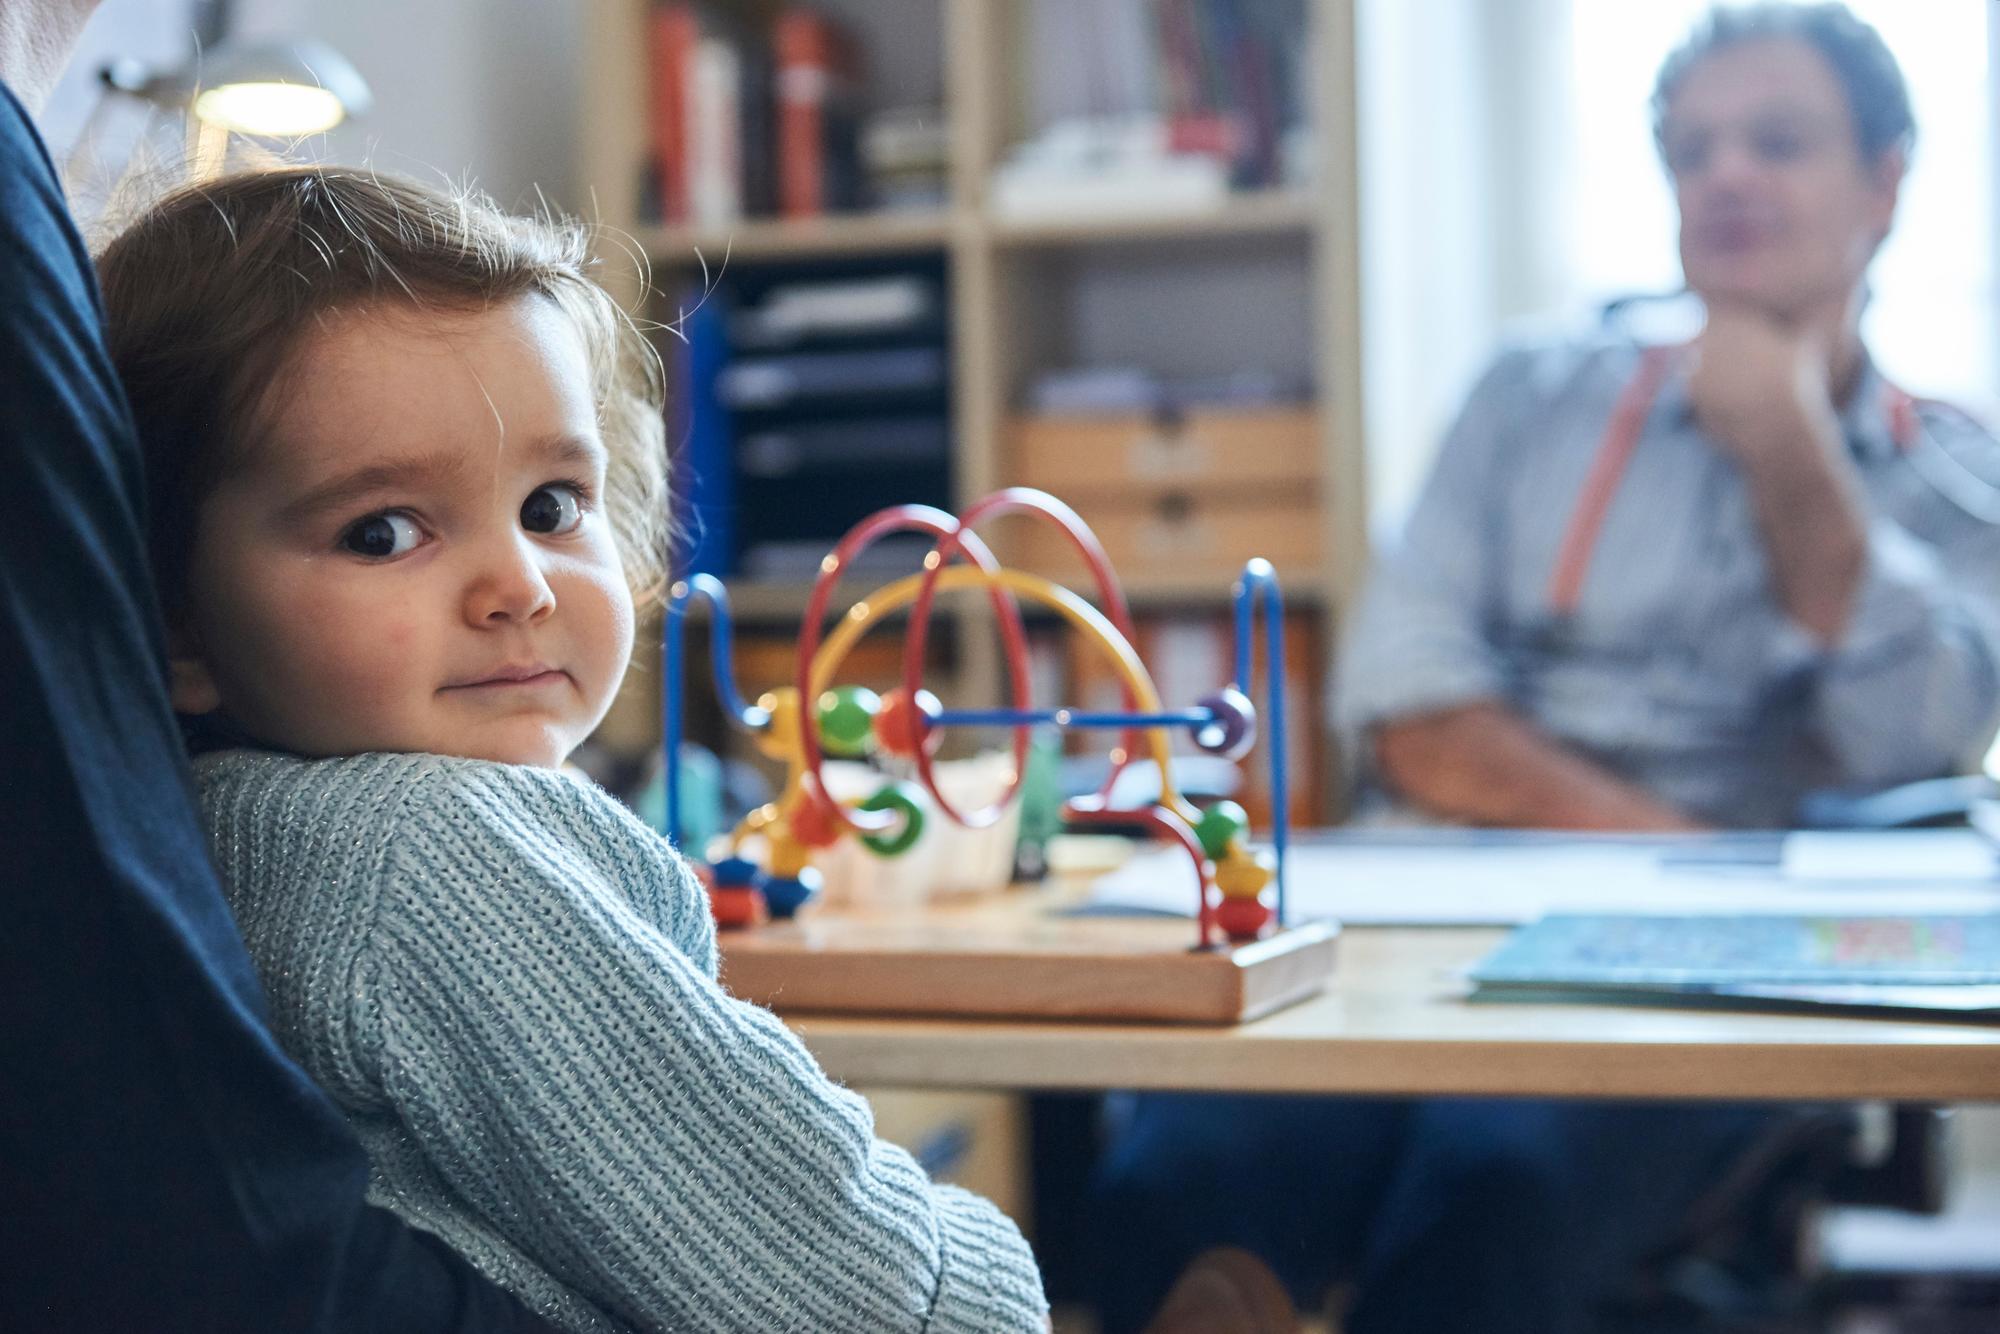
1808 507
1912 690
1421 695
1764 392
1481 763
1901 636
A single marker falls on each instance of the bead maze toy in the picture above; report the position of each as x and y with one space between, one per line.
1240 924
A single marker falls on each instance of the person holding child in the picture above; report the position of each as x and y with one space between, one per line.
405 462
1645 589
164 1165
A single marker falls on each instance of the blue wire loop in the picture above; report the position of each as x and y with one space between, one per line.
1259 578
722 639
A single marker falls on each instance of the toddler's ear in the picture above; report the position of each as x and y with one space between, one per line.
190 686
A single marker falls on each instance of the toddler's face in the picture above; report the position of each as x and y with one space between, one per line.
415 556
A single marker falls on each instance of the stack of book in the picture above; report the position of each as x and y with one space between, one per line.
1161 107
754 110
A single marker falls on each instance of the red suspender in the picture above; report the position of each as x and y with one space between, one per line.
1621 436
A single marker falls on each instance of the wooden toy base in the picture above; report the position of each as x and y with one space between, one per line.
1009 957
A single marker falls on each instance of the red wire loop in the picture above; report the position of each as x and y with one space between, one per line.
1017 500
937 523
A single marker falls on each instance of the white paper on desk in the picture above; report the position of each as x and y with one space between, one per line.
1503 885
1932 855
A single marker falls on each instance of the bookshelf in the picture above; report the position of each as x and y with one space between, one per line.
1267 275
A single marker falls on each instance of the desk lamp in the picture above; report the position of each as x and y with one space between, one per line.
282 90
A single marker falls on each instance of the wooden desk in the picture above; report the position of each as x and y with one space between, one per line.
1395 1022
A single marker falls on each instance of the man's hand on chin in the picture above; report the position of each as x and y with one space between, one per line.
1763 388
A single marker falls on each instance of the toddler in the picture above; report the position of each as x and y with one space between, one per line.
405 465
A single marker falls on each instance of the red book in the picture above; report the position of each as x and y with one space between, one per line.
806 51
673 32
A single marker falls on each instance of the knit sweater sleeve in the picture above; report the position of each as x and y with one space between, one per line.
562 1051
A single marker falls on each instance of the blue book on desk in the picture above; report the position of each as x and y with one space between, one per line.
1906 967
1600 952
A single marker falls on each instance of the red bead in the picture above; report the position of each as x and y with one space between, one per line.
737 907
812 821
1242 919
904 722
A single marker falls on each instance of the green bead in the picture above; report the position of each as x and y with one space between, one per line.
1219 826
847 720
895 797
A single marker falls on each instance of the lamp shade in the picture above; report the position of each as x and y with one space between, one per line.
279 89
271 89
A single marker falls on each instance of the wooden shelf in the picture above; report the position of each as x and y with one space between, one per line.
773 238
1262 213
1030 295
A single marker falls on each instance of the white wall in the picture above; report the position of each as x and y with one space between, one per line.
479 89
486 89
147 30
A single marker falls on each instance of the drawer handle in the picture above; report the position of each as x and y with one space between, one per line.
1173 530
1168 449
1178 454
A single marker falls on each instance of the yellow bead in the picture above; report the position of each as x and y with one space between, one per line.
1243 875
788 856
780 739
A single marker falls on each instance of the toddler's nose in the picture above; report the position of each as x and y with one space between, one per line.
509 587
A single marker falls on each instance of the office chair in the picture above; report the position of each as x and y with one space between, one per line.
1745 1259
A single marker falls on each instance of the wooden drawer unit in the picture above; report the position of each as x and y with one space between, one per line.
1204 451
1178 536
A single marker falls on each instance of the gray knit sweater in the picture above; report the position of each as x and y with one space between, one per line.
509 984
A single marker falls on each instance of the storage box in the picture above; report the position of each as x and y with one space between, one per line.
1211 451
1179 538
1178 499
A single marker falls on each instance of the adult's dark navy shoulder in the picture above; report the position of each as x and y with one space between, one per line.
162 1164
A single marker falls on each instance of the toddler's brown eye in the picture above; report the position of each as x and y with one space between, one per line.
380 536
552 509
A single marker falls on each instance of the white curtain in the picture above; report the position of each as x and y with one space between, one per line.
1463 151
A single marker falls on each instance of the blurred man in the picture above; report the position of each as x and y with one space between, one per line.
1644 589
1655 588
